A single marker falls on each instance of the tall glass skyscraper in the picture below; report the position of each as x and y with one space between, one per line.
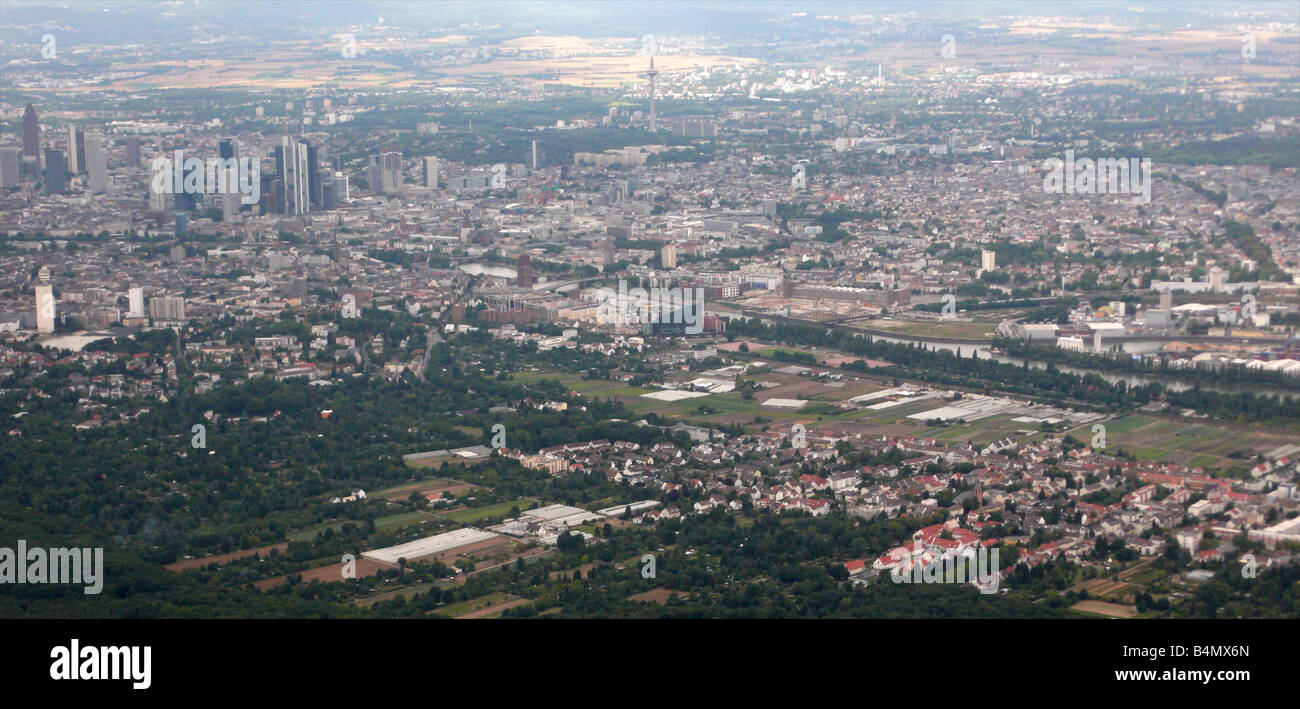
56 173
31 133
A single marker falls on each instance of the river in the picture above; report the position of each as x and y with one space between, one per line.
475 269
982 352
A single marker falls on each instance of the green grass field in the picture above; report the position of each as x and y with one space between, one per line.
310 533
403 519
397 521
1126 424
406 489
475 514
1193 443
463 607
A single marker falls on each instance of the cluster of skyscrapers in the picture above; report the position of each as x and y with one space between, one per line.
52 167
293 183
385 172
292 179
299 183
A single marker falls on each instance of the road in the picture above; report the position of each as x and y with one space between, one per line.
435 328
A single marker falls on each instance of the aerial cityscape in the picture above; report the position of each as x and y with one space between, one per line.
514 310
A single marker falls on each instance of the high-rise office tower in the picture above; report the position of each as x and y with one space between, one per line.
56 173
135 302
81 149
268 178
132 143
232 198
181 225
10 166
167 308
431 172
271 188
314 190
31 132
228 150
668 256
329 194
391 163
45 307
525 270
96 162
297 177
76 150
375 175
194 179
277 156
385 172
159 201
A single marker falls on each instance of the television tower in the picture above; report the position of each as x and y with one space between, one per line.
651 74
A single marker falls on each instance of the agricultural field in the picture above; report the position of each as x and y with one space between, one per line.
438 462
223 559
1110 610
985 431
657 595
960 330
328 573
474 604
1212 446
424 487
